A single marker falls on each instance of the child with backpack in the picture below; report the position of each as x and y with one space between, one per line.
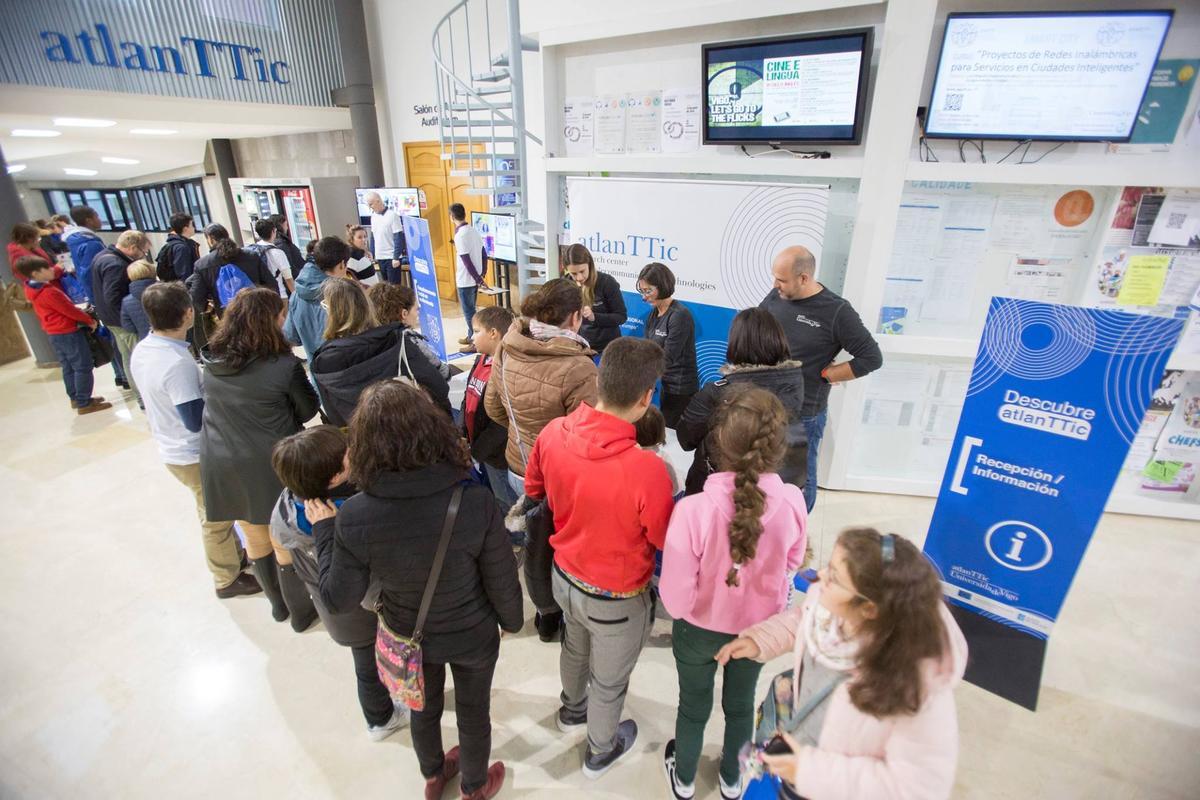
311 466
729 553
63 323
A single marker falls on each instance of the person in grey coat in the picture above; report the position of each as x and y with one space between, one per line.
255 393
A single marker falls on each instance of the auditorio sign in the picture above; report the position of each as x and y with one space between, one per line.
241 50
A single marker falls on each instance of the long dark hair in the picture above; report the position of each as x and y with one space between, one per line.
249 329
749 438
756 337
906 628
397 428
576 255
554 302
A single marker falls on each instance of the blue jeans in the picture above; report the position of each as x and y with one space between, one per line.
75 357
466 299
498 480
815 428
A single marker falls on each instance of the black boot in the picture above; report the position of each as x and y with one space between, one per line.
547 625
295 594
267 573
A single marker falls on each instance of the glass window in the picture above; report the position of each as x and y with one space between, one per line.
115 212
75 198
57 202
92 198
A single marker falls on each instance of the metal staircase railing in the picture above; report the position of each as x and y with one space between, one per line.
481 117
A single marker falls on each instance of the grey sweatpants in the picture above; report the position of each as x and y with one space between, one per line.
602 640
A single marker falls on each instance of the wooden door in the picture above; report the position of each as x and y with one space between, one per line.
428 172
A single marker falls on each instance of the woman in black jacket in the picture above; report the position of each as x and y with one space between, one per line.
358 351
757 354
255 393
408 458
670 326
603 305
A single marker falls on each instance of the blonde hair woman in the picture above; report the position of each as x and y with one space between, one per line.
348 312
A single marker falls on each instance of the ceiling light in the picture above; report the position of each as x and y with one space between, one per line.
152 131
76 171
82 122
35 132
119 160
13 169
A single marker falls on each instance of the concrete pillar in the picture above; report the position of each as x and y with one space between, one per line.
11 212
225 167
358 94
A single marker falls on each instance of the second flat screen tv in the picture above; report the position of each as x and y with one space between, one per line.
406 201
499 234
1074 76
803 89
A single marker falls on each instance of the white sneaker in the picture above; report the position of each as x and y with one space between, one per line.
731 792
399 719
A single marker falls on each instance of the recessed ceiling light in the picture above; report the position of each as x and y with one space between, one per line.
35 132
83 122
152 131
13 169
76 171
119 160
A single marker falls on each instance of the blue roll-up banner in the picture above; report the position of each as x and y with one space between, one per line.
1055 399
420 263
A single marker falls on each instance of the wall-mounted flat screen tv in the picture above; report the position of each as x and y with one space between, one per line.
1076 76
802 89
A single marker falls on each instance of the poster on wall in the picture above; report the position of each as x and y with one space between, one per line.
718 237
1054 403
420 259
1166 99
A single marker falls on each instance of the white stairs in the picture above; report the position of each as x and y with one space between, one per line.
481 106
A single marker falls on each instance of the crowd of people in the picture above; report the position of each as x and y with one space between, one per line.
400 517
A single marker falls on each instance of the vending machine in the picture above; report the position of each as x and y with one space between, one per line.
313 206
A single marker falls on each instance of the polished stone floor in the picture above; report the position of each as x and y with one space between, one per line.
121 676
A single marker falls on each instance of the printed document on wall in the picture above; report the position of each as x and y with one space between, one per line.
578 117
643 122
1178 221
680 120
609 132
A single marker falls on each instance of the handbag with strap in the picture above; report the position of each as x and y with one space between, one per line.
398 658
775 714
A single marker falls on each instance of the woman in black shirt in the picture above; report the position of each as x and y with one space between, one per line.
603 307
670 325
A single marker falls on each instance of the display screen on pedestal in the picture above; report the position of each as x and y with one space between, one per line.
499 234
807 89
1059 76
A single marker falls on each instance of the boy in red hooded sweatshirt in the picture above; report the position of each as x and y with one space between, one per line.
611 502
60 319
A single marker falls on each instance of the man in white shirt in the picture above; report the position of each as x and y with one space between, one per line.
470 268
169 380
276 256
387 235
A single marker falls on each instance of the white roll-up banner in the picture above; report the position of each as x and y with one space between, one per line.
718 237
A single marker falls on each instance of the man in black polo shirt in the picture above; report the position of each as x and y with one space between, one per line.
819 325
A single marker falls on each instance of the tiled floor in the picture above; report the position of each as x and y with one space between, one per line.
122 676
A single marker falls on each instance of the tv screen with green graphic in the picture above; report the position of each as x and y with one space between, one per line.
804 89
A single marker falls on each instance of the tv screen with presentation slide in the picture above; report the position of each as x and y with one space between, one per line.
803 89
407 201
499 233
1075 76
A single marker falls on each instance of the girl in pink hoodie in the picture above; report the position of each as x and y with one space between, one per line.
876 641
728 554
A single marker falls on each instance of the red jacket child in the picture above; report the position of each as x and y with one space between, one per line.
611 500
54 309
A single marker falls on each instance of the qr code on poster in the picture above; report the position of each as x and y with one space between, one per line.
953 101
1175 221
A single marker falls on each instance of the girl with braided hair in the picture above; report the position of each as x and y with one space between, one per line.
729 552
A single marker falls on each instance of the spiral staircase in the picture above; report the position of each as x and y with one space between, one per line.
481 113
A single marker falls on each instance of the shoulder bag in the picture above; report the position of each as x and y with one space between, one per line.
404 372
398 658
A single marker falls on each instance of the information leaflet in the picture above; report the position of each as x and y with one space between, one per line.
1054 403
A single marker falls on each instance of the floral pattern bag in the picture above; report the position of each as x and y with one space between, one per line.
398 658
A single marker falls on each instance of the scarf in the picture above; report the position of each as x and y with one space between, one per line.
824 639
543 333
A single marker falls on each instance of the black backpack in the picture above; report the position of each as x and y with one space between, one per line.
165 267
